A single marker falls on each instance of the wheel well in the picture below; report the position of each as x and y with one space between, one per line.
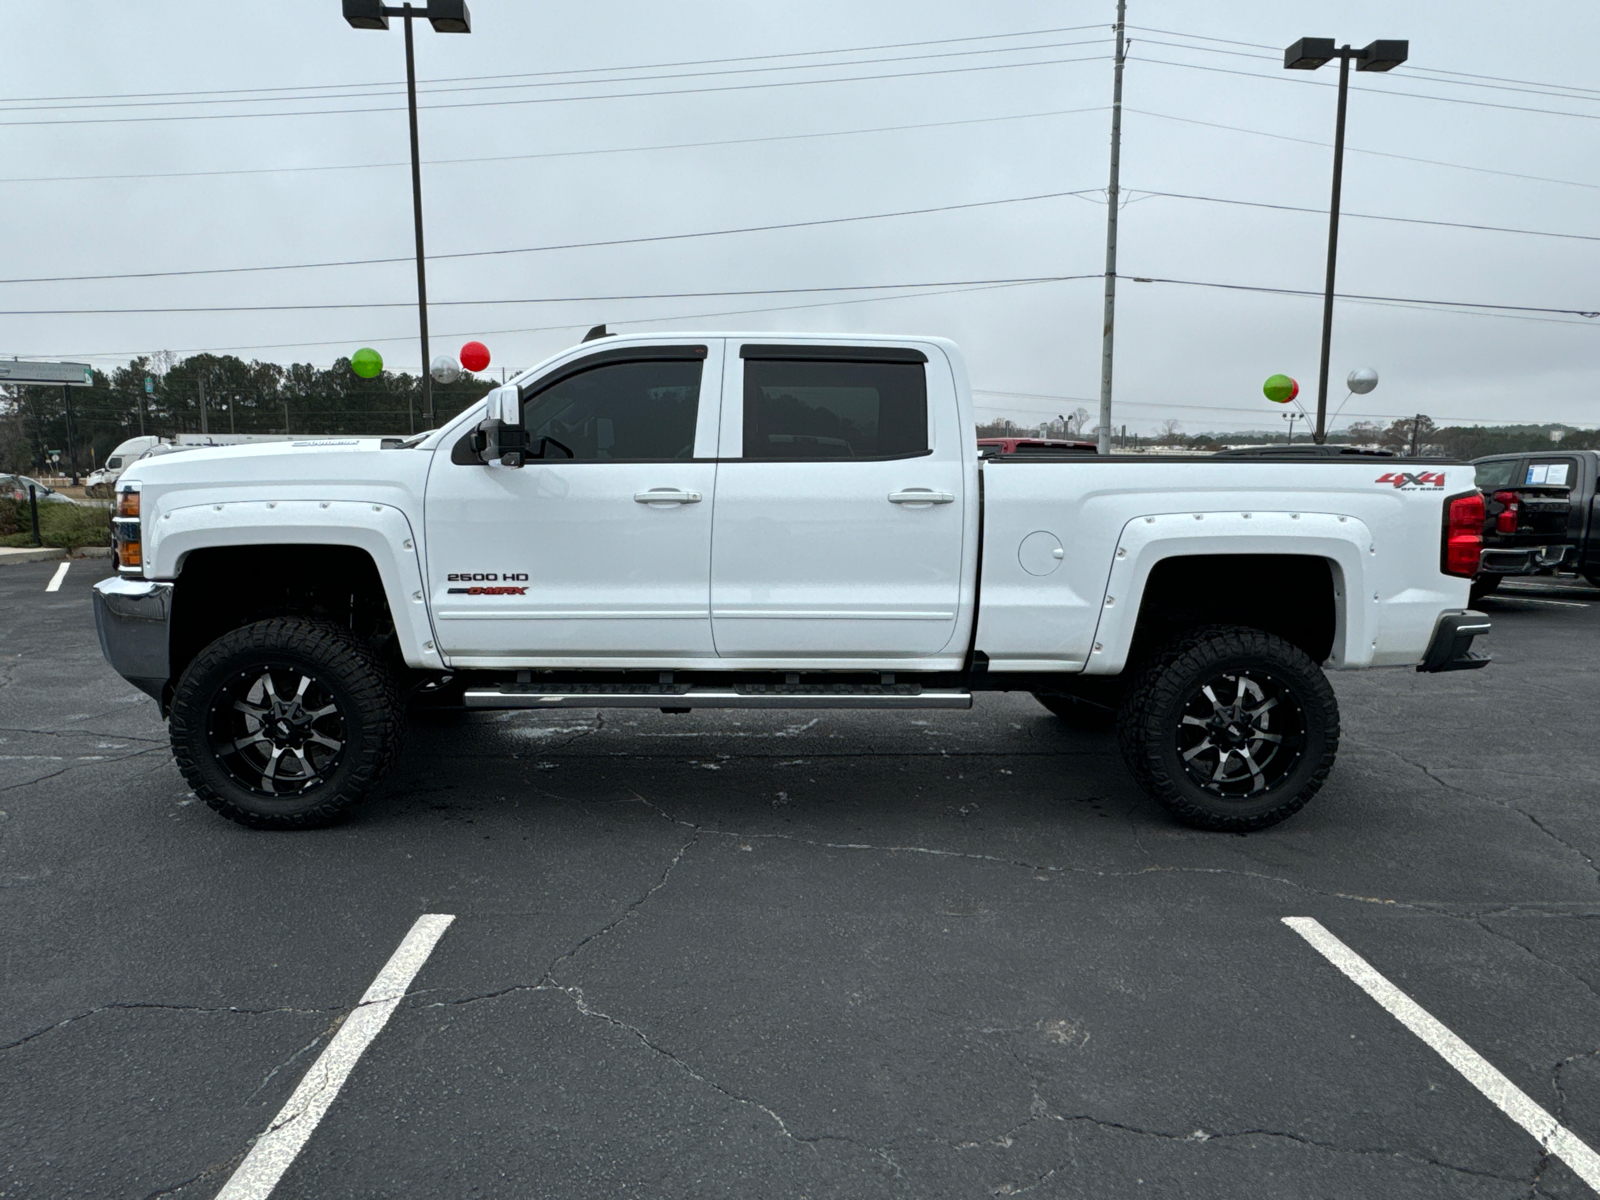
1291 595
226 587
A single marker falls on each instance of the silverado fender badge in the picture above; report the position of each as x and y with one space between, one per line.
1412 483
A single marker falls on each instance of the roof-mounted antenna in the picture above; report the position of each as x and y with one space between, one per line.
599 331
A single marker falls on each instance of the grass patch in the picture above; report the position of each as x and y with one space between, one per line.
64 525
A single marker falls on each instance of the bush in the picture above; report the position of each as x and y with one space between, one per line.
65 525
10 519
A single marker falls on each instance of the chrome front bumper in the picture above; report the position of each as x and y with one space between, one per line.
133 617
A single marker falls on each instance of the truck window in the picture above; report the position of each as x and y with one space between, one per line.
620 412
796 409
1497 474
1554 473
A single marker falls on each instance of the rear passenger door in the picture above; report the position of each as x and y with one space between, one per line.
837 529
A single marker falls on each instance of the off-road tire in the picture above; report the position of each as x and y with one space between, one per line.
1150 723
1079 714
361 685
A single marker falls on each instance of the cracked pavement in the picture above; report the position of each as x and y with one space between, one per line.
852 955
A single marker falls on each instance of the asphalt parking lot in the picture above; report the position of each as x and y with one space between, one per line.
804 955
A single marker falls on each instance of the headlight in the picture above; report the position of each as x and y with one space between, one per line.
126 534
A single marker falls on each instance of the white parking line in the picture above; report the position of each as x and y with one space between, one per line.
275 1150
1554 1137
55 580
1536 600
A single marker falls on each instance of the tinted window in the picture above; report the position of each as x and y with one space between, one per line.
811 410
1496 474
626 411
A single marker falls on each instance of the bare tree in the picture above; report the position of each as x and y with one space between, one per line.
1167 432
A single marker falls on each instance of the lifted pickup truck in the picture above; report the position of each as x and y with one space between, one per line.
692 521
1540 516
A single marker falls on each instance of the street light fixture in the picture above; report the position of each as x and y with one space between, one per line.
1307 55
446 16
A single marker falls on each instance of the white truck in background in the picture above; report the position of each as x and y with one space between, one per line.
723 520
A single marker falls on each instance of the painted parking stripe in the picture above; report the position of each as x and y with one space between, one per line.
1553 1136
275 1150
55 580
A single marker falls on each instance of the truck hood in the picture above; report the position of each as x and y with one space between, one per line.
317 468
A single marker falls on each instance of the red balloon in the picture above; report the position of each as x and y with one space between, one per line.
474 356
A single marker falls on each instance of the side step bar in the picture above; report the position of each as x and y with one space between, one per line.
682 697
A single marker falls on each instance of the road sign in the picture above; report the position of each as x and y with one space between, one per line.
16 370
149 386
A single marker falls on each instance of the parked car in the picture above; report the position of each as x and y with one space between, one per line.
16 487
551 547
1540 516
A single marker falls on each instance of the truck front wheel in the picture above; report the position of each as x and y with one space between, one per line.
286 723
1230 728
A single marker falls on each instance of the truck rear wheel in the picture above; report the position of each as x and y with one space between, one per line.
286 723
1230 729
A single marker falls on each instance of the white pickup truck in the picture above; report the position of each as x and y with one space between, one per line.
692 521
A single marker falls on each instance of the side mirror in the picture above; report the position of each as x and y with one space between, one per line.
500 436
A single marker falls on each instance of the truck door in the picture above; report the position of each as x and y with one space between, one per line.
840 497
599 556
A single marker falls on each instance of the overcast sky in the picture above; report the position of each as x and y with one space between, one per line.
599 154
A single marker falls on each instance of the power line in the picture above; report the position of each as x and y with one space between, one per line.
1432 162
741 87
1441 304
1538 87
1581 237
575 325
505 158
228 308
633 241
699 62
549 83
1549 112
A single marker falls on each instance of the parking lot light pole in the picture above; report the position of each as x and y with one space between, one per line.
1307 55
446 16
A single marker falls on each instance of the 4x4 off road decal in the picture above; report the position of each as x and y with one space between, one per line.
1407 482
486 577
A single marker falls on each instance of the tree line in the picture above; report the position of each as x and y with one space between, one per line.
240 397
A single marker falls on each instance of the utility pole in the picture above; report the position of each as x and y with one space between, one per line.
72 449
231 399
1113 192
285 418
204 427
1416 423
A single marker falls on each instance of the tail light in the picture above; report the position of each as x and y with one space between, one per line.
1463 534
1506 522
126 532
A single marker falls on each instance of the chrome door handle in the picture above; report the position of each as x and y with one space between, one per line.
666 496
921 496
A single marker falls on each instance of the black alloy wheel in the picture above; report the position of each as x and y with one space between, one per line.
1242 733
276 730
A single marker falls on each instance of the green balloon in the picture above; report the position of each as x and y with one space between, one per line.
367 363
1280 389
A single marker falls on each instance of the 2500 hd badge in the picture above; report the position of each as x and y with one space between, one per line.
486 577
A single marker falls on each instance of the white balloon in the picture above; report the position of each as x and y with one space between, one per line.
1362 380
445 369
